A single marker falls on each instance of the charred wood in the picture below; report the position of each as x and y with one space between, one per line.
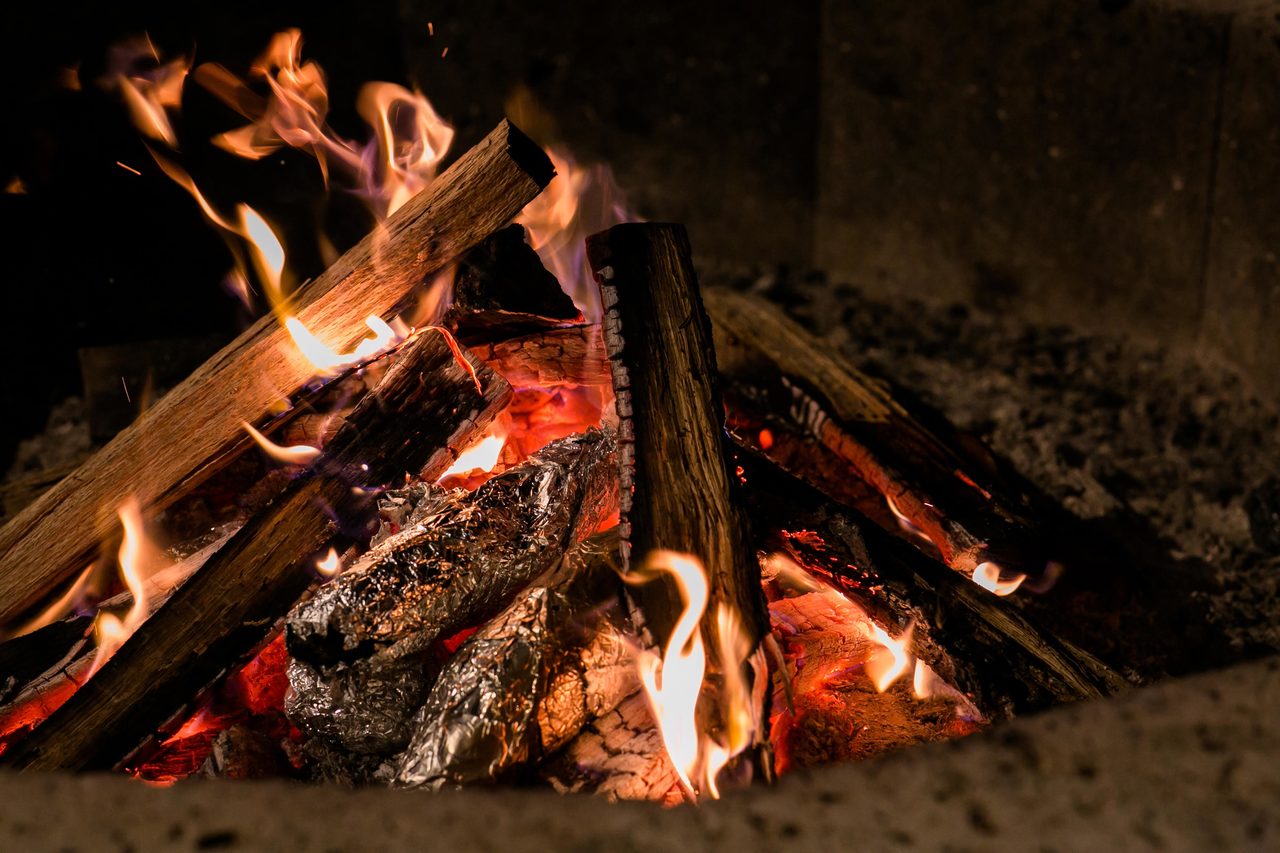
530 679
677 486
424 411
572 355
943 484
465 558
196 428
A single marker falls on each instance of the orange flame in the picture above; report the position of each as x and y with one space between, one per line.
110 630
330 565
987 576
482 456
149 94
327 360
410 140
297 454
892 661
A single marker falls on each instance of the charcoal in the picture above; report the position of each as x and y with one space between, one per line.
463 559
364 707
530 679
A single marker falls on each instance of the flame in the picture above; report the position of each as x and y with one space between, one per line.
330 565
110 630
987 576
483 455
410 140
58 609
892 661
268 253
923 680
327 360
297 454
151 94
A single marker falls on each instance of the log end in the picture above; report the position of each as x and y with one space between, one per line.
527 154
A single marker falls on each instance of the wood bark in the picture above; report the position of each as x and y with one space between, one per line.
196 427
948 488
981 644
678 490
423 412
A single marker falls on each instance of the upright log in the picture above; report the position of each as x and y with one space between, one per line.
195 428
422 413
677 486
942 484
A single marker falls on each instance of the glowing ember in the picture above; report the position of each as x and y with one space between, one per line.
987 576
298 454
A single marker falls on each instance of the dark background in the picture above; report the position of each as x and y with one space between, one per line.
1111 164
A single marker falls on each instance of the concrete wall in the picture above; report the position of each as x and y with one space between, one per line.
1111 165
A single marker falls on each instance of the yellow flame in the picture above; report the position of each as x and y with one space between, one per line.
411 140
673 682
110 630
326 359
480 456
987 576
297 454
891 662
58 609
268 253
330 565
739 721
922 681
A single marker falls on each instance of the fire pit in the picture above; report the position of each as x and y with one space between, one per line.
513 495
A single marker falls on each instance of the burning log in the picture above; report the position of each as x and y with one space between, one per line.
194 429
678 490
573 355
976 641
462 559
939 483
424 410
529 680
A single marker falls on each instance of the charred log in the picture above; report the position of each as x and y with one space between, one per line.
530 679
678 490
465 558
426 408
198 423
943 485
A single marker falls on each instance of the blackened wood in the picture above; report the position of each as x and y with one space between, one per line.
950 488
423 412
1002 659
196 428
678 490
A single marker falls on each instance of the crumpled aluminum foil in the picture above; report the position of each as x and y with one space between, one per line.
529 680
463 557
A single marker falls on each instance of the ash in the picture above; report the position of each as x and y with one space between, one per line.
1105 425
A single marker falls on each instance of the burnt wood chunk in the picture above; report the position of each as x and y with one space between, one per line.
424 411
1001 659
530 679
678 488
195 429
938 484
462 558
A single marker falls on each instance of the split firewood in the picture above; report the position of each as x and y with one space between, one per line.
938 483
573 355
530 679
620 756
196 428
678 489
974 640
502 290
463 558
426 409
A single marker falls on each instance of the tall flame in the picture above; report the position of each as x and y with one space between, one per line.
110 630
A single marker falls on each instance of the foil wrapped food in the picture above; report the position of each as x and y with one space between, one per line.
530 679
462 558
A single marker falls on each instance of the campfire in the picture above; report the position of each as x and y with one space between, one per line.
506 497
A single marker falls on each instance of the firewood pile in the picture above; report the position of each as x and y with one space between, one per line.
526 623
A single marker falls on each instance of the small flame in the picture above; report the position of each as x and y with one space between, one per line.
892 661
151 94
481 456
674 681
297 454
58 609
327 360
987 576
923 681
110 630
330 565
268 253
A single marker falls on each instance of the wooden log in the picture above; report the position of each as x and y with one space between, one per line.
573 355
194 429
941 483
423 412
1003 660
678 489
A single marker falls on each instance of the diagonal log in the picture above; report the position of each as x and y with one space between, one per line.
196 428
424 411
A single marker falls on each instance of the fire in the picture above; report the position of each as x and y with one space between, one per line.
892 661
411 140
328 360
149 94
330 565
110 631
987 576
480 456
268 253
297 454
